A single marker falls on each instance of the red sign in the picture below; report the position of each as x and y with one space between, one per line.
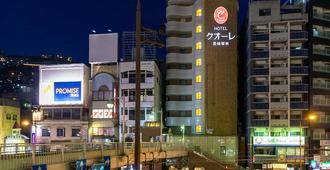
221 15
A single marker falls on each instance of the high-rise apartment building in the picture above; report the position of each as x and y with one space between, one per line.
287 80
201 78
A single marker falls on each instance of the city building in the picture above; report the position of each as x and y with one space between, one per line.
103 124
151 111
148 52
63 104
201 80
19 80
9 116
287 77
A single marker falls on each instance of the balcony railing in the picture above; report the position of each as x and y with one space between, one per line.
320 68
260 54
260 37
260 105
299 70
322 16
260 88
299 52
324 52
260 71
299 105
325 85
299 35
299 87
323 136
322 34
260 123
265 158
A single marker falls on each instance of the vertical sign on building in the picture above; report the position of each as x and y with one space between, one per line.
220 22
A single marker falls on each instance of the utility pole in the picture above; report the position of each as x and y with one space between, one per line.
137 145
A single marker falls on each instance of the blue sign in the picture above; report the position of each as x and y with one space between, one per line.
81 164
39 167
107 162
98 167
67 91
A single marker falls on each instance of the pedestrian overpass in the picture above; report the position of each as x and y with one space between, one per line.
59 156
219 150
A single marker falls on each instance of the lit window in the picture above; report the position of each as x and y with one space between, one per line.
198 79
198 112
199 12
198 62
198 128
198 45
199 95
198 29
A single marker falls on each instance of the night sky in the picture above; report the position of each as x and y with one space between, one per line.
34 27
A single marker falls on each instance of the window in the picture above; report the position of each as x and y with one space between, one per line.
198 62
198 45
14 117
60 132
198 112
199 12
199 95
57 114
75 132
198 129
265 12
48 114
198 29
66 113
45 132
75 113
8 116
198 79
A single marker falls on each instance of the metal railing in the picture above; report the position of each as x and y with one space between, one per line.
322 16
325 52
23 156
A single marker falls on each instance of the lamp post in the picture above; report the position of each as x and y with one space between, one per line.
309 118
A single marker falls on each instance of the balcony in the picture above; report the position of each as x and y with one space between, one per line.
322 34
179 26
320 16
260 71
281 36
299 35
321 68
279 54
299 87
179 42
260 105
279 71
299 53
260 54
260 88
279 105
260 123
279 88
260 37
175 10
322 136
299 70
279 122
323 52
299 105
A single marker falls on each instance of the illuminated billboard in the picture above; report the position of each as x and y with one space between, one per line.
67 91
278 141
219 43
62 84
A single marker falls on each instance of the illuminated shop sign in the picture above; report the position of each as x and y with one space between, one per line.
221 35
102 113
283 141
67 91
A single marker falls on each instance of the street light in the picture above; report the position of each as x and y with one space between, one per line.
310 117
25 123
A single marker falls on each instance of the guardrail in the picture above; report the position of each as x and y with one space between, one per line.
23 156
